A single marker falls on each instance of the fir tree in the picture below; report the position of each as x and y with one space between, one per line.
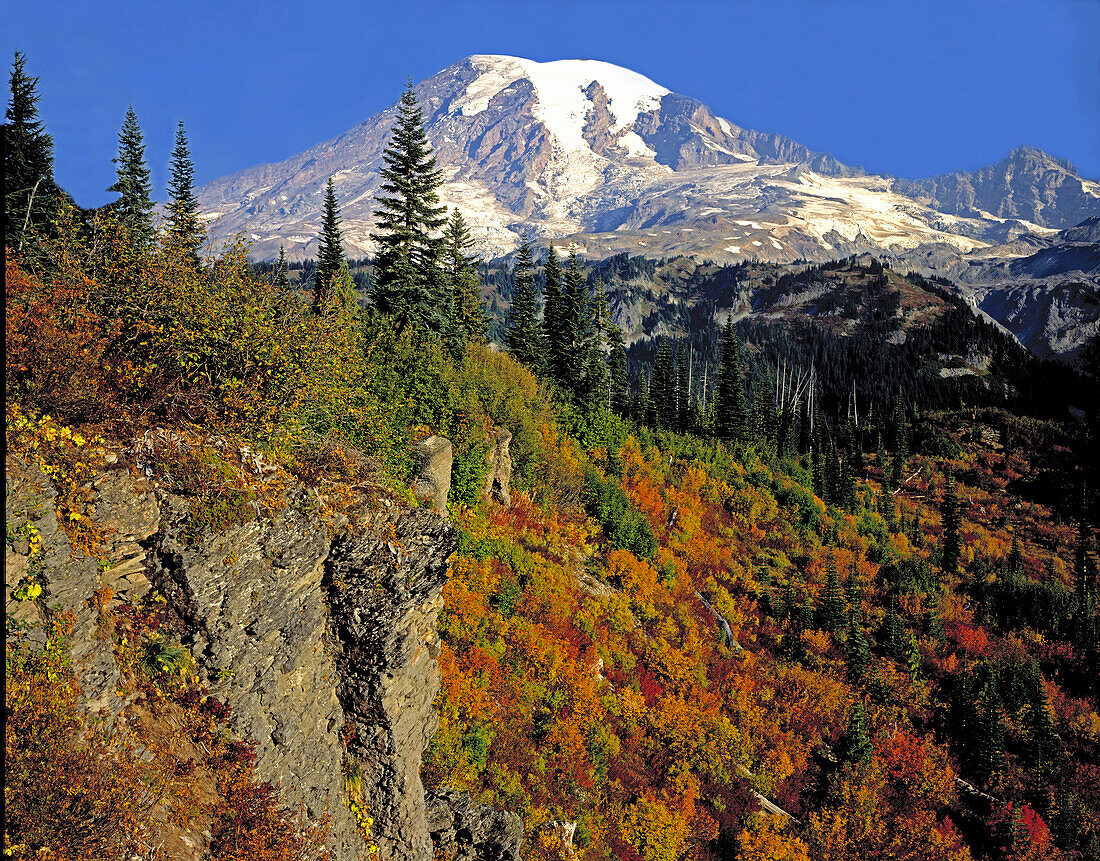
134 207
185 230
831 612
330 253
30 195
552 317
597 373
460 266
617 372
282 282
662 387
409 284
951 521
730 420
855 745
523 335
683 389
577 327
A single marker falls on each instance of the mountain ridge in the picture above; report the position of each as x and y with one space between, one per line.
583 148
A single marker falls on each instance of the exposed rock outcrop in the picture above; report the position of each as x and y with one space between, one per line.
433 480
321 638
385 592
463 830
500 469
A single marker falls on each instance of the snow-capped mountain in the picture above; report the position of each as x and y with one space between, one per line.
603 155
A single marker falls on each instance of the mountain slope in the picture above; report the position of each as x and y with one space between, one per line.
589 150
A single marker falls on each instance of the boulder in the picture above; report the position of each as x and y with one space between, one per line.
500 469
433 480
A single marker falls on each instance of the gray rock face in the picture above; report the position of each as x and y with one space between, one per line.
385 592
1028 184
252 604
463 830
497 482
324 648
433 482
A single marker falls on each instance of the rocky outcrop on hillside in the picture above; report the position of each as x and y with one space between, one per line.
320 636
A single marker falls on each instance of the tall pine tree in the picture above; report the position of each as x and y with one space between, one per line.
330 253
30 194
730 419
409 284
523 335
469 321
552 316
134 208
282 282
185 230
577 327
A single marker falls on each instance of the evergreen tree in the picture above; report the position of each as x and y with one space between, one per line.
330 253
855 745
409 284
988 738
856 646
1043 751
552 317
185 230
617 371
662 387
134 207
597 373
523 335
282 282
831 612
730 420
577 327
30 195
460 266
951 522
683 396
880 462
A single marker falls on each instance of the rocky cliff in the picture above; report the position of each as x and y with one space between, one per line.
320 636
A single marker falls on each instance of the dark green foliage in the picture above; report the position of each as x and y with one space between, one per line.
30 195
281 280
184 227
409 283
553 317
831 609
524 335
624 526
617 372
661 388
469 323
330 253
576 323
134 208
731 421
949 553
855 745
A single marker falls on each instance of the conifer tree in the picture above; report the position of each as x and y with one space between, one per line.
185 230
661 387
597 382
409 284
552 322
460 267
523 335
134 207
951 521
831 612
730 419
330 253
855 745
1043 751
617 372
282 282
683 395
577 327
30 195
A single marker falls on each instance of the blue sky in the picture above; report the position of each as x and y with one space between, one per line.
908 88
